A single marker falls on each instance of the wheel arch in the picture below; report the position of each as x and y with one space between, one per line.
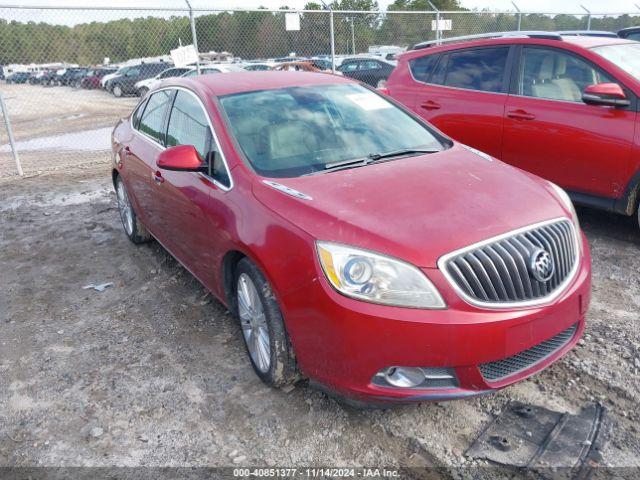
628 203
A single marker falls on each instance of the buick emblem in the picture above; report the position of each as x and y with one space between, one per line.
542 265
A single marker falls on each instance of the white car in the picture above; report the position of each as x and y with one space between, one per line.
144 86
109 76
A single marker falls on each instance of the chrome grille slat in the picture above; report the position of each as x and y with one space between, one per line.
501 369
504 270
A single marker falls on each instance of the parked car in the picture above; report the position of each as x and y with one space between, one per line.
145 85
70 75
372 71
48 77
562 107
305 66
93 77
260 67
358 246
630 33
105 79
18 77
125 83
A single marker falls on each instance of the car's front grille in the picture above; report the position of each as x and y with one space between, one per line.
510 268
494 371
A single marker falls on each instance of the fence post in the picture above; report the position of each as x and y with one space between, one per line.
519 15
438 33
588 17
333 42
194 37
7 122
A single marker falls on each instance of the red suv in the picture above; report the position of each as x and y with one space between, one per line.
562 107
357 245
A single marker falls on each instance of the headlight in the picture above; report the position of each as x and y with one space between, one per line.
564 196
376 278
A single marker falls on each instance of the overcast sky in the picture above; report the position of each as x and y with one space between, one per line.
573 6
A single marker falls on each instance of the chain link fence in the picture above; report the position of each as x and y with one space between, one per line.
56 63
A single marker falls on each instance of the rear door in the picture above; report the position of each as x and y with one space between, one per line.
551 132
465 94
139 157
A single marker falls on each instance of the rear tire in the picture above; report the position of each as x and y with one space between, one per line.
262 325
136 232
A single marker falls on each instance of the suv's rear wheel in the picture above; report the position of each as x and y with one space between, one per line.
262 326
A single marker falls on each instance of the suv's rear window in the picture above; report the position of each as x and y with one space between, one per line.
480 69
422 67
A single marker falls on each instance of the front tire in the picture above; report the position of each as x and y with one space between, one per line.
142 91
117 91
263 329
136 232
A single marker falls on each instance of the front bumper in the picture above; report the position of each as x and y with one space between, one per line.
341 343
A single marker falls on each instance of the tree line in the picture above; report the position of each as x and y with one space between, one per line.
262 34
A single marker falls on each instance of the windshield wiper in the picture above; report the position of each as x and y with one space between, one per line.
372 157
398 153
356 162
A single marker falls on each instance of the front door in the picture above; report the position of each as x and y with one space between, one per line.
550 131
193 203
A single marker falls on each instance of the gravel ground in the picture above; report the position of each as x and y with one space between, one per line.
152 371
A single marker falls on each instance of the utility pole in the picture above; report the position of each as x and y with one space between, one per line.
194 38
588 17
438 32
519 15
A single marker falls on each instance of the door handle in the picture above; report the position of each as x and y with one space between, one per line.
157 177
430 105
520 115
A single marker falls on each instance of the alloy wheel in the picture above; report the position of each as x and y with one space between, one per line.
254 323
124 206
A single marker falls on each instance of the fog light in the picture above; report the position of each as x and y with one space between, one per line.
404 377
417 377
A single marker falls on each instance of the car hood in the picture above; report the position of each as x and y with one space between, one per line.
416 208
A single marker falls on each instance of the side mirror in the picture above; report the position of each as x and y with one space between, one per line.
607 94
181 158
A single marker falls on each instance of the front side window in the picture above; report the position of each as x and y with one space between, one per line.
422 67
624 55
295 131
188 125
152 120
555 75
479 69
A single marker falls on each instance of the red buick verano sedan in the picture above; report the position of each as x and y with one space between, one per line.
358 246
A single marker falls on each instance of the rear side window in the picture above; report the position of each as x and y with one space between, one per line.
135 118
422 67
481 69
152 120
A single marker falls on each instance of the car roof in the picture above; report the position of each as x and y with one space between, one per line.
575 40
240 82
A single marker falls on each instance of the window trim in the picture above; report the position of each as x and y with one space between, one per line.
163 147
446 55
515 77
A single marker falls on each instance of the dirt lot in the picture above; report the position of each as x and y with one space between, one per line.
152 371
58 127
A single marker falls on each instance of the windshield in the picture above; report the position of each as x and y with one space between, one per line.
624 55
295 131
